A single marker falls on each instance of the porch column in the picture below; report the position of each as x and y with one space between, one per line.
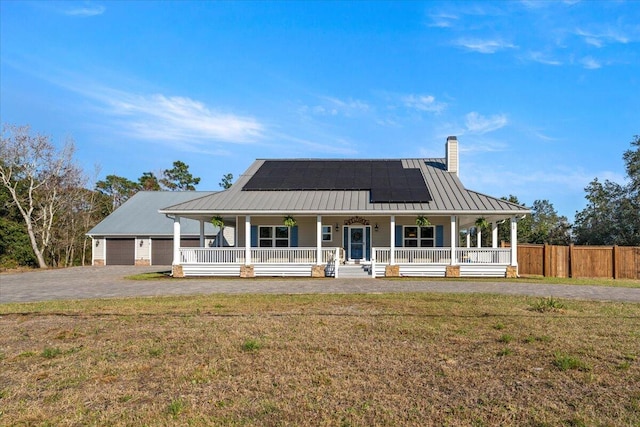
514 241
247 240
392 255
494 234
454 239
478 238
176 240
468 238
319 240
202 233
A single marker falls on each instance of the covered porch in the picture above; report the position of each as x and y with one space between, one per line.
317 246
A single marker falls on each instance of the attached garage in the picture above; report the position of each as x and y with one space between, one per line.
162 249
121 252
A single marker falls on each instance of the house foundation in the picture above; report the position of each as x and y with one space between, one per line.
176 271
392 271
318 271
247 271
452 271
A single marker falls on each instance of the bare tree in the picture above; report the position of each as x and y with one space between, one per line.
37 175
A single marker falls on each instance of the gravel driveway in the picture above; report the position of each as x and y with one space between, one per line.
110 282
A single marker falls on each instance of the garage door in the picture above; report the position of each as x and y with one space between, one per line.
121 251
162 249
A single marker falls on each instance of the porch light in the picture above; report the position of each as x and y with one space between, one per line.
141 243
376 227
97 243
337 227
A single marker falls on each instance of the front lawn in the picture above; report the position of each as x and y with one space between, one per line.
352 360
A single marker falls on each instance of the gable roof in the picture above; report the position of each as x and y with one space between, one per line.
447 197
139 216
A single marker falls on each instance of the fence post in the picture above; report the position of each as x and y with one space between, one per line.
616 259
546 261
571 263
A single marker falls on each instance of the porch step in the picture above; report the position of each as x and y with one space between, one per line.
354 272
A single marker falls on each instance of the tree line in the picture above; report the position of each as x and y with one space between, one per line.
46 208
611 217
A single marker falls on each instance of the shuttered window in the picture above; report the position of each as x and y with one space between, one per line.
273 236
423 237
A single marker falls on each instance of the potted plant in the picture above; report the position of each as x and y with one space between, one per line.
217 221
482 223
422 221
289 221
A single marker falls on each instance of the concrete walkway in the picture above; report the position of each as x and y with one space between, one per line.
109 282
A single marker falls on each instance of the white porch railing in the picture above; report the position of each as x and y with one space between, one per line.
483 255
443 255
212 255
283 255
258 255
423 261
434 261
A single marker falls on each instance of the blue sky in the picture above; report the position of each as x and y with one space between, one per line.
543 96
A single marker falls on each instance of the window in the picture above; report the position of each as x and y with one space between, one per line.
273 236
326 233
423 237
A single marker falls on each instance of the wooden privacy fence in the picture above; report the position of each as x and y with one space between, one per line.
617 262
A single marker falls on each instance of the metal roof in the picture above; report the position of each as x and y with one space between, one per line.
449 197
139 216
386 180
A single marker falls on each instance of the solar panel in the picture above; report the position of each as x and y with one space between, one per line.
386 180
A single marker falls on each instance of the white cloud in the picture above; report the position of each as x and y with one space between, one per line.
599 39
349 106
542 58
442 20
423 103
180 118
334 106
484 46
88 10
476 123
337 147
590 63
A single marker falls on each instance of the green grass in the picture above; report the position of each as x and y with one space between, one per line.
544 305
251 345
620 283
175 408
50 353
581 281
156 275
615 283
565 362
505 338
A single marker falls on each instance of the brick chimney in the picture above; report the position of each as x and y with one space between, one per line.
451 147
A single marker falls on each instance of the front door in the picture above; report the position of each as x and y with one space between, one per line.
356 243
